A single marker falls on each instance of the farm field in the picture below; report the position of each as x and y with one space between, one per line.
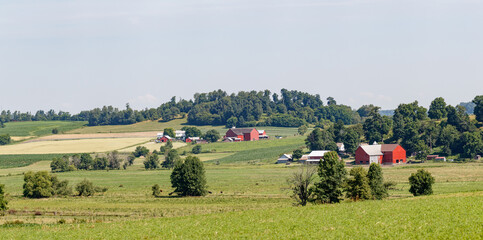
412 218
72 146
38 128
21 160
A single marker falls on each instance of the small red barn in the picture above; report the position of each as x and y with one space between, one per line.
243 134
165 139
382 154
192 139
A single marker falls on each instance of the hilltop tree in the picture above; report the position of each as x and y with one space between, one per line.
421 183
332 176
406 114
376 182
437 109
357 185
300 182
365 110
320 140
188 177
3 201
472 144
478 111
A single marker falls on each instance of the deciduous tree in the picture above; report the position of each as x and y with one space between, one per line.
188 177
332 176
421 183
357 185
301 182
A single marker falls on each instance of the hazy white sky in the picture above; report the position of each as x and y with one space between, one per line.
76 55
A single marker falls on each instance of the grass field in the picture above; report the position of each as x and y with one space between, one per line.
453 216
72 146
38 128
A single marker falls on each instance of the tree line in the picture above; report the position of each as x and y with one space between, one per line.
243 109
442 129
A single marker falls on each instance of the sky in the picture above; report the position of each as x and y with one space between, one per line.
75 55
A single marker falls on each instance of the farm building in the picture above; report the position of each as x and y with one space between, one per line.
192 139
380 153
284 158
314 157
242 134
262 134
165 138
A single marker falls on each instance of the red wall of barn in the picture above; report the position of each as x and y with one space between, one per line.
253 135
361 156
398 154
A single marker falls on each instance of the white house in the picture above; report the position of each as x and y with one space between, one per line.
284 158
340 147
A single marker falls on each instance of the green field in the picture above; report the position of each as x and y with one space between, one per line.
38 128
21 160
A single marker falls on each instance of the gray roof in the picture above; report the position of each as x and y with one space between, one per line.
242 130
372 150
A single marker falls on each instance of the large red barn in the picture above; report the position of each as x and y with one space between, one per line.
242 134
382 154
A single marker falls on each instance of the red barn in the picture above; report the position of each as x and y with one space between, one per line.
165 139
382 154
242 134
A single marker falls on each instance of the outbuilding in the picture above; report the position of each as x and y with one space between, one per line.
243 134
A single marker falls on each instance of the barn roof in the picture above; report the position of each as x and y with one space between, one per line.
319 153
388 147
242 130
372 150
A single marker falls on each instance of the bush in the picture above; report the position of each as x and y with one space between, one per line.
130 159
5 139
3 201
44 185
357 187
300 183
55 131
196 149
188 177
151 162
156 190
100 163
421 183
86 188
140 151
37 185
212 135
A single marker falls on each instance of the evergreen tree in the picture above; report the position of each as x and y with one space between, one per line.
376 182
332 176
188 177
421 183
357 185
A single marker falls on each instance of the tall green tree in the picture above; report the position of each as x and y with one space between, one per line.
151 162
406 114
170 158
351 140
191 131
447 139
376 126
302 130
37 185
332 175
357 185
437 109
376 182
86 161
472 144
188 177
478 100
297 154
321 140
421 183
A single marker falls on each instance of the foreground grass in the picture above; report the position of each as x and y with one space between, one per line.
453 216
39 128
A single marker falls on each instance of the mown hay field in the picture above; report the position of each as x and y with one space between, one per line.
38 128
72 146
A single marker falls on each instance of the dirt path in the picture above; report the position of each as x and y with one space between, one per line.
94 136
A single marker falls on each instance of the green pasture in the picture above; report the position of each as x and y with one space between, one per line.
21 160
38 128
